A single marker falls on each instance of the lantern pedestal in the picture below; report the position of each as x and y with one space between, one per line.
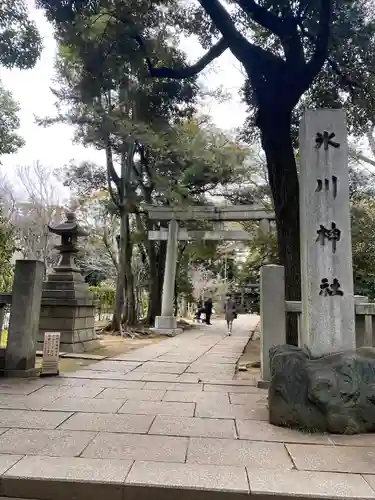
68 306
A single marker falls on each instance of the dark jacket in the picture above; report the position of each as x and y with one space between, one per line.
208 306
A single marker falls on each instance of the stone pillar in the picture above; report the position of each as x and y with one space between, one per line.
272 314
326 254
24 319
167 323
363 324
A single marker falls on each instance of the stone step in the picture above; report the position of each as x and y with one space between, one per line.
57 478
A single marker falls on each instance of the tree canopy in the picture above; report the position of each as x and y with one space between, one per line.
20 42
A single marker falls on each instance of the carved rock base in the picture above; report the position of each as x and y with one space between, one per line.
333 393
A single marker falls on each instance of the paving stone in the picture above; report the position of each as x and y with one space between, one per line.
252 400
197 397
113 366
71 469
61 479
125 394
357 460
205 373
103 383
85 405
230 388
137 447
45 442
154 367
98 375
208 477
253 454
157 408
370 479
174 386
67 391
158 377
214 410
188 378
309 484
113 422
7 461
192 426
254 430
30 402
32 419
20 388
356 440
82 355
232 383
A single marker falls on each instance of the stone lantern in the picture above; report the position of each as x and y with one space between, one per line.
69 231
67 303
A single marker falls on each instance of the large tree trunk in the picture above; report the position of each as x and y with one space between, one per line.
283 179
130 317
157 266
125 279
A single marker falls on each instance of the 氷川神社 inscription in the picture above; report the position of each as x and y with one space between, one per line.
326 258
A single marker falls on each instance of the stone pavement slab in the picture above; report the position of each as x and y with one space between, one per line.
7 461
61 479
255 454
85 405
209 477
214 410
174 386
168 425
67 391
32 419
76 469
155 367
141 395
166 419
137 447
358 460
54 443
197 397
309 484
255 430
30 402
157 408
104 422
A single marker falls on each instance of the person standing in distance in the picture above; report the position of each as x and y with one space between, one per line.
230 312
208 310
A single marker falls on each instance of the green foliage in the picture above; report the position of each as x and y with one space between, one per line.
20 43
105 296
10 141
7 233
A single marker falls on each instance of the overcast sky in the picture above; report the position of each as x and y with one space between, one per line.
53 146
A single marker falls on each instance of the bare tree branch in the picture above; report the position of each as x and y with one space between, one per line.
263 17
322 40
185 72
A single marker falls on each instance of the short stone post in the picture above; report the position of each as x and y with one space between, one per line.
326 256
24 319
363 324
272 314
167 323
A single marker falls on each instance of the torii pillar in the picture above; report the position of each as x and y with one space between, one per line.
167 323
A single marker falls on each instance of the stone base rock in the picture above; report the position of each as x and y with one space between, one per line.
333 393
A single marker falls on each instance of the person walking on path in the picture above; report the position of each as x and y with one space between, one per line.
230 312
208 310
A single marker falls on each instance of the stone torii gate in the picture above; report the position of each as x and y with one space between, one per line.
167 322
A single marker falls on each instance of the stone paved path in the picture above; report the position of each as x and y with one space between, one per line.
164 417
